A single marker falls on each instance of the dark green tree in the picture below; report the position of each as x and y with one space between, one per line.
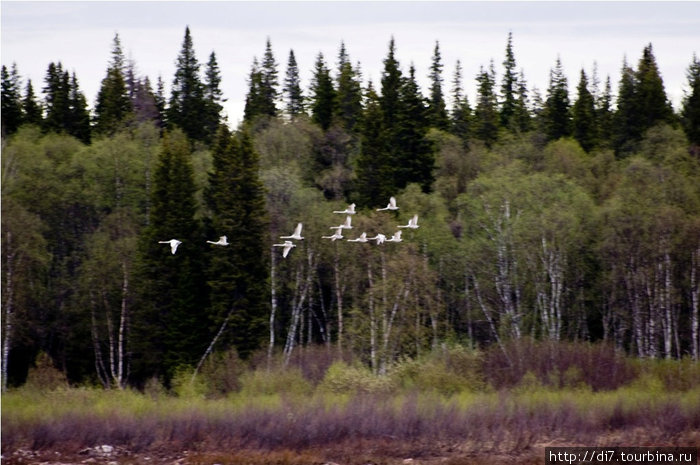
486 119
652 104
626 120
161 103
323 94
437 110
292 89
170 326
392 80
30 107
348 110
253 100
557 108
56 91
237 274
213 98
187 108
521 120
690 114
113 104
11 100
412 151
604 114
269 84
78 123
461 113
509 88
584 116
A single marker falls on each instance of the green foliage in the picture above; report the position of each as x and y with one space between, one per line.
342 378
113 104
44 376
280 381
557 111
690 113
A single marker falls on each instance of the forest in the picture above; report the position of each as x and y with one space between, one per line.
568 217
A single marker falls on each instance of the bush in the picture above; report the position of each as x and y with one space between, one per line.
221 373
342 378
44 376
274 381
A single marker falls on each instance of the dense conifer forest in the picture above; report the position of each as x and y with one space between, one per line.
572 215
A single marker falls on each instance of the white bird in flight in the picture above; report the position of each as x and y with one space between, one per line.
346 225
396 237
223 240
380 238
412 223
337 235
391 206
173 244
287 247
296 235
350 210
362 238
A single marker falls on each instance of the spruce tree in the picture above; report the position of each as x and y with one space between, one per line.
145 103
509 87
486 119
437 110
170 327
56 90
604 114
30 107
461 114
213 98
113 103
161 102
323 94
78 123
584 116
187 107
237 274
391 87
348 109
522 119
557 111
11 100
690 114
253 100
292 89
652 103
268 84
626 118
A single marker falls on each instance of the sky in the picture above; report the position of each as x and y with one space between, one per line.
80 35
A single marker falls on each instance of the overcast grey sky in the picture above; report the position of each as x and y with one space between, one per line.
80 34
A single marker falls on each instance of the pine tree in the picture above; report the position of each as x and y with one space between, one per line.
145 103
268 85
521 119
56 92
11 100
690 114
323 95
169 328
30 108
486 120
584 116
113 103
187 107
213 98
253 99
626 120
509 87
237 274
461 114
292 89
604 114
348 109
413 152
391 87
557 111
437 112
78 123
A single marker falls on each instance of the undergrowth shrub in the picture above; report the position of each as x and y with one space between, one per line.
670 375
221 373
44 376
186 386
276 380
342 378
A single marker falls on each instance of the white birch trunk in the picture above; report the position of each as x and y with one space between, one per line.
273 307
695 303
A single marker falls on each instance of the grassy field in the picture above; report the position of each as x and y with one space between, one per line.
444 408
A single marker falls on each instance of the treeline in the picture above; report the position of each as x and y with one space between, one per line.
540 216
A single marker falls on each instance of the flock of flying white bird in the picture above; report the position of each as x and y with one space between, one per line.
350 210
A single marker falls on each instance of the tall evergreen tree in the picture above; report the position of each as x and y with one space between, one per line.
627 123
56 92
169 329
437 110
584 116
113 103
161 101
521 119
11 100
348 109
213 98
391 87
292 89
509 87
145 103
413 152
30 107
78 123
237 274
652 103
557 111
373 167
269 83
604 114
253 100
486 120
690 114
461 114
187 107
323 94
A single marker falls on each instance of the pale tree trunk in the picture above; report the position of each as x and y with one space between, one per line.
8 327
339 299
388 323
121 343
273 307
302 291
210 348
372 320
